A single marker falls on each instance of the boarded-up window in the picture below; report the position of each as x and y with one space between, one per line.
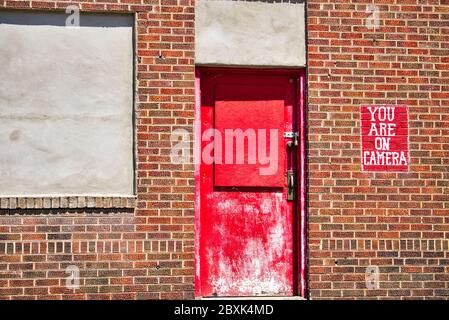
66 104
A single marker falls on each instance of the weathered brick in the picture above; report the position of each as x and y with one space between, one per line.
384 66
94 229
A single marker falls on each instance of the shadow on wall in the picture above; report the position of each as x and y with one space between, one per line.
34 18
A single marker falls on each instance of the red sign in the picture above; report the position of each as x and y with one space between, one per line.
384 138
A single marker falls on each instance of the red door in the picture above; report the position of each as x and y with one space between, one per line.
247 184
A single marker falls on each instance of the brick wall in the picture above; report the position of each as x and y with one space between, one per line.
396 221
129 253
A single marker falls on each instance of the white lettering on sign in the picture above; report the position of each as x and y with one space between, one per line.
376 158
382 145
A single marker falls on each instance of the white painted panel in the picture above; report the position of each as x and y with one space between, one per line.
250 33
66 105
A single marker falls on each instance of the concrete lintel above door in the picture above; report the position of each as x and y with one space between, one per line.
243 33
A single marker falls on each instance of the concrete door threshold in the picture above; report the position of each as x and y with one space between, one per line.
252 298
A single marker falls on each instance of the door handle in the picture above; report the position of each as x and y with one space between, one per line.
291 188
292 181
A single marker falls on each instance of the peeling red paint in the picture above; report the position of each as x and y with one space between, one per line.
245 235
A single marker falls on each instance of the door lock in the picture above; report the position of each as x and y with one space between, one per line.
294 136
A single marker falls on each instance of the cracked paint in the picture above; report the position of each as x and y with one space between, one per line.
246 240
250 263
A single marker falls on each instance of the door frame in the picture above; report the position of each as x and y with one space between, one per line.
301 225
